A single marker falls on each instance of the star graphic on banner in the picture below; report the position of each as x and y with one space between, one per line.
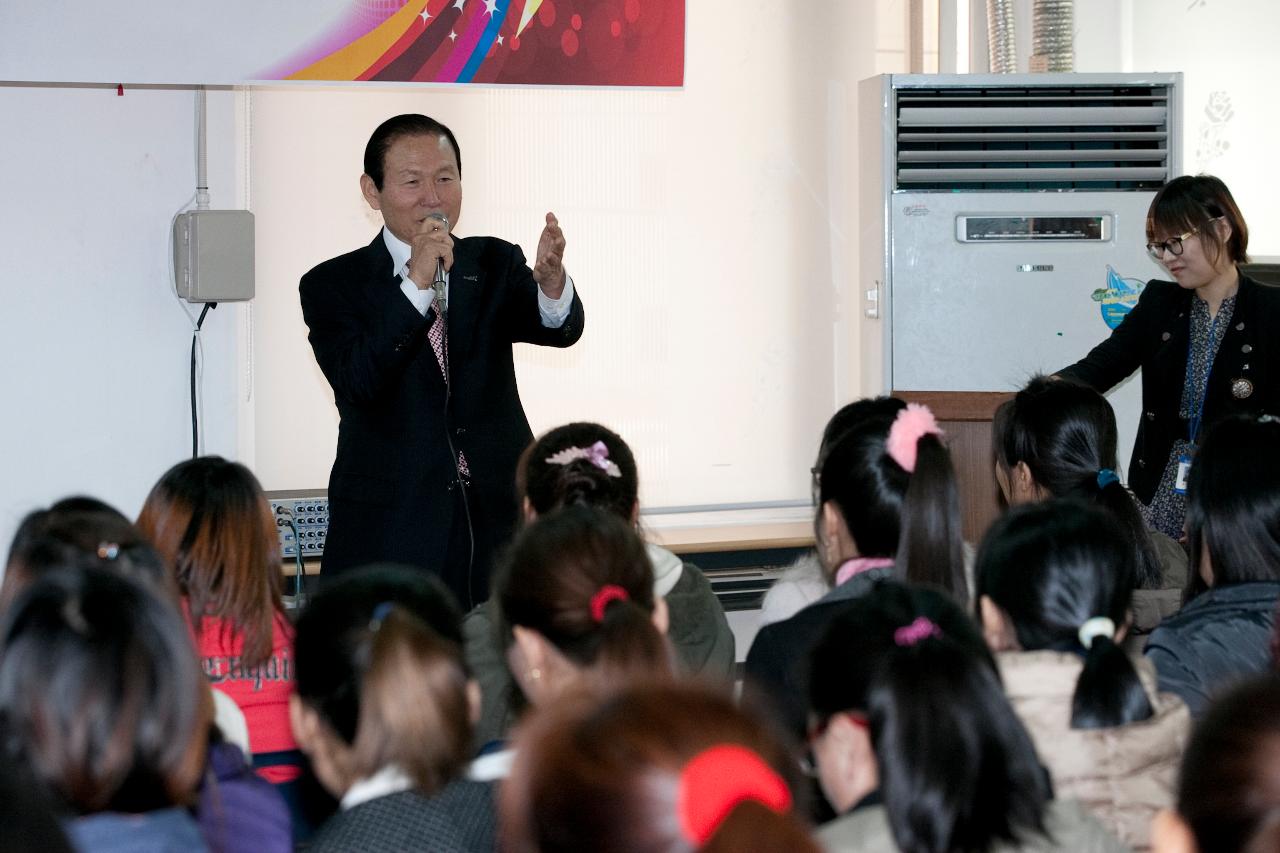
460 5
453 36
499 41
425 15
490 6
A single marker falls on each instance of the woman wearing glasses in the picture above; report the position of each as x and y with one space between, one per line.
1206 341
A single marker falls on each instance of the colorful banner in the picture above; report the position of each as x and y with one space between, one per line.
231 42
548 42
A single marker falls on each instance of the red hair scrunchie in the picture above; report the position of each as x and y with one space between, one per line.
716 781
605 596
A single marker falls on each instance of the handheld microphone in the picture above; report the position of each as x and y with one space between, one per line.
438 283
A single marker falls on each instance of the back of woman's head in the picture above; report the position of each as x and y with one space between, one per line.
957 770
1229 785
212 524
579 463
581 578
890 477
1233 502
1062 573
672 767
84 531
378 657
1065 433
102 692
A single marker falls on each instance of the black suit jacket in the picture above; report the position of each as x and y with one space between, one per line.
1155 337
393 494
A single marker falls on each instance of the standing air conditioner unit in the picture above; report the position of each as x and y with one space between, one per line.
1003 223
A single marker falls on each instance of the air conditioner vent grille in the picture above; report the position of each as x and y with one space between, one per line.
1032 138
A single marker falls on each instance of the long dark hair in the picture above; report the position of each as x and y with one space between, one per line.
1051 567
1228 790
957 769
913 517
378 654
1066 435
555 569
1233 503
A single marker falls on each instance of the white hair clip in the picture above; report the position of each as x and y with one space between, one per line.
597 454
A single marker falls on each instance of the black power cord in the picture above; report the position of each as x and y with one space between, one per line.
195 422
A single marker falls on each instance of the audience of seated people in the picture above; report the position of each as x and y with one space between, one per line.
1053 586
603 666
587 464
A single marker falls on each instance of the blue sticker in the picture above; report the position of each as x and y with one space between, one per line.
1118 297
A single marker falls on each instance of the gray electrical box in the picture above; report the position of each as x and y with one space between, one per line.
213 255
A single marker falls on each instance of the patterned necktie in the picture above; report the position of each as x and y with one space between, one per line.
435 334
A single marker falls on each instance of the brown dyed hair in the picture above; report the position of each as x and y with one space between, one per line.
102 693
388 679
212 524
604 775
1190 202
554 569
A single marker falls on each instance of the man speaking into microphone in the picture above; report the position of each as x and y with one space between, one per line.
414 333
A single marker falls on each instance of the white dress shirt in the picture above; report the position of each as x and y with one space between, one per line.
552 311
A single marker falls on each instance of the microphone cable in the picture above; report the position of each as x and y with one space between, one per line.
453 454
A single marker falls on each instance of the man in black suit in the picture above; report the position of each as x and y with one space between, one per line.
425 466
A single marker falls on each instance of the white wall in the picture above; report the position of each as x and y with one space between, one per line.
96 346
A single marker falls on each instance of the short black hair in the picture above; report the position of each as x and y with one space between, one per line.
1189 202
409 124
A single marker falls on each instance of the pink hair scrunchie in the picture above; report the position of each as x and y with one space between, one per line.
911 423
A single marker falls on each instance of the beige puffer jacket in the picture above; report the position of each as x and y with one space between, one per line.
1123 774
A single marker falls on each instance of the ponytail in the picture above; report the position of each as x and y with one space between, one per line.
628 642
1062 571
581 578
1108 692
1119 501
414 710
930 545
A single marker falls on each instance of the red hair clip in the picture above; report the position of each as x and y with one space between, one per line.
605 596
716 781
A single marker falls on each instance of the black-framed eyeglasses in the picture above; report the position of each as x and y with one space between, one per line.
1173 245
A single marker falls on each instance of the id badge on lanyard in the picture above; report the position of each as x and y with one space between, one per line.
1184 470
